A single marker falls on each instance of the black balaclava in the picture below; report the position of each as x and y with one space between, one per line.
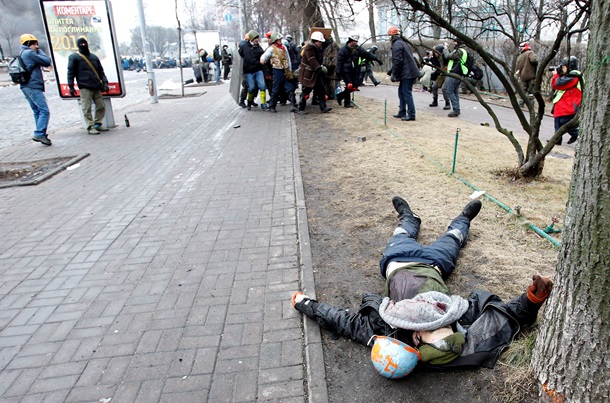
83 46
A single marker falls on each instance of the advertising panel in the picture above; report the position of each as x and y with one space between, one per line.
66 22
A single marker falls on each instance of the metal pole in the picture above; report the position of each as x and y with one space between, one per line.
457 131
152 86
241 23
385 112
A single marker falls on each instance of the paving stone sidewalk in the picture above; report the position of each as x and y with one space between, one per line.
160 269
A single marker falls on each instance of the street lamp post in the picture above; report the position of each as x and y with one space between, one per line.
152 86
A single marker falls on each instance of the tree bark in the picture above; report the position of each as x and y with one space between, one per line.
371 8
571 357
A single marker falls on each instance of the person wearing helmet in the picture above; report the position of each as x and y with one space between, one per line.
447 330
425 74
525 69
34 59
567 82
366 70
282 75
294 52
437 78
312 70
348 67
251 53
404 70
456 64
86 68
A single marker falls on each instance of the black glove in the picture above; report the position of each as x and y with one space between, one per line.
394 79
106 88
378 60
390 72
72 91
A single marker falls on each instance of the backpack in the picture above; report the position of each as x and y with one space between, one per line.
476 72
17 70
469 61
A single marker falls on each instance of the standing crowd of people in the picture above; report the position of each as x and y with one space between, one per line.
319 66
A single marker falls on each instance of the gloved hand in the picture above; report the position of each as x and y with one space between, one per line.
539 290
72 91
106 88
394 79
379 62
390 72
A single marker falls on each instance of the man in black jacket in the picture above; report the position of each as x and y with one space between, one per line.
405 71
348 67
87 69
251 52
453 333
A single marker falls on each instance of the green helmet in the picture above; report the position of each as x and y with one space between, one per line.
275 36
252 35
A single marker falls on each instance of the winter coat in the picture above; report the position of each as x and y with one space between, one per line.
454 60
568 98
279 57
348 60
526 66
403 63
216 54
489 324
426 76
295 56
252 55
85 77
311 61
436 62
33 61
226 58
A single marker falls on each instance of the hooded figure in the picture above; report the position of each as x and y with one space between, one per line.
87 69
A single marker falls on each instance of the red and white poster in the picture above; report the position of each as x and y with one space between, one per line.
66 22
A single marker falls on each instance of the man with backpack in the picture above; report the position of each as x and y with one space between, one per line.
89 73
458 62
33 59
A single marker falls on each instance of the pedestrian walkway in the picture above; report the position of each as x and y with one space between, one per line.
161 268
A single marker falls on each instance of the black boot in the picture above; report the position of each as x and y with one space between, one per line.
339 98
434 102
401 206
324 108
472 209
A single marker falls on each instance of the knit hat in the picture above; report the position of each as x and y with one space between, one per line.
443 351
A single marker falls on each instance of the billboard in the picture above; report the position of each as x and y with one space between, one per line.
66 22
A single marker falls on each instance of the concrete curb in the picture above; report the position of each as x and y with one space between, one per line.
317 389
48 175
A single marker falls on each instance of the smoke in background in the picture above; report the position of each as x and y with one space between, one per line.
18 17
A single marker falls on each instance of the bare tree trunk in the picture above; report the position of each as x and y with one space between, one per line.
571 353
312 14
371 7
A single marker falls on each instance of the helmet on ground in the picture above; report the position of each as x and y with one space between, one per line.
317 36
353 38
572 63
392 358
27 38
523 46
274 37
393 31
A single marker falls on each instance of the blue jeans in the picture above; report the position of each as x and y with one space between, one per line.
452 86
254 80
562 120
217 70
443 253
405 97
38 103
279 81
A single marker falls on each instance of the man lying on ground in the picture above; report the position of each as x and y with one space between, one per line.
448 330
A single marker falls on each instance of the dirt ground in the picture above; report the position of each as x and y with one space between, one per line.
24 171
349 184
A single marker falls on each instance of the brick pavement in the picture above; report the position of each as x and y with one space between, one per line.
161 268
